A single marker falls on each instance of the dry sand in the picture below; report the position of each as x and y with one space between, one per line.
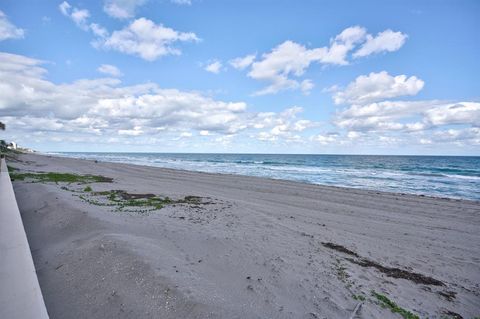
253 248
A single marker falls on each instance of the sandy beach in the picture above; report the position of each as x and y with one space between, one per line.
225 246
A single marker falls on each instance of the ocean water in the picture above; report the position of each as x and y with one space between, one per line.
441 176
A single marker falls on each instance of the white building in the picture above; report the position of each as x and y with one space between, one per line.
12 146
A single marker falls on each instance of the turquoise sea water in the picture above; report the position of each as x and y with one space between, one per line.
441 176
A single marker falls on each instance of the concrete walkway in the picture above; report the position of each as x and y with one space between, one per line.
20 294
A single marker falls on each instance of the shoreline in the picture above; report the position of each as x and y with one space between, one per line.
235 246
349 188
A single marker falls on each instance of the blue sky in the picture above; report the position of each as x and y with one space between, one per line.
370 77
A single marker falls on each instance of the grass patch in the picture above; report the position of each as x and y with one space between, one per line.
45 177
387 303
87 189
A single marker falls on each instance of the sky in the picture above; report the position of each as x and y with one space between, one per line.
323 77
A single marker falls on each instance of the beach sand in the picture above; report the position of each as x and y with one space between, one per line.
247 248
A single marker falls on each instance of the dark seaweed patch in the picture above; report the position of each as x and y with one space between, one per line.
340 248
389 271
398 273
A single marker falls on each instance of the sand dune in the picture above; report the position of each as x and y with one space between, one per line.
243 247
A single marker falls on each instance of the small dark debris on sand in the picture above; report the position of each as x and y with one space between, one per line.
452 314
127 196
306 235
449 295
103 179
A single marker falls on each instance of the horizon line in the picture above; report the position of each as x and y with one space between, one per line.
212 153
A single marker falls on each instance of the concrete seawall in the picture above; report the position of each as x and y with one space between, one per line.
20 294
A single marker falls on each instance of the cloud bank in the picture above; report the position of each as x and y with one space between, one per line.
104 108
141 37
376 110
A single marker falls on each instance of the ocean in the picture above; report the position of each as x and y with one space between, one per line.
440 176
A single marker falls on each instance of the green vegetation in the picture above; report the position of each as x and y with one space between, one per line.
8 152
45 177
126 202
87 189
387 303
95 202
341 271
359 297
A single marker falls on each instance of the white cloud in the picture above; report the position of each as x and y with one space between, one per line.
8 30
342 45
182 2
122 9
371 112
306 86
407 115
79 16
214 67
46 20
396 140
284 125
186 134
459 137
386 41
98 30
381 115
378 86
110 70
172 108
136 131
144 38
65 8
353 135
425 141
242 62
290 60
324 139
454 113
